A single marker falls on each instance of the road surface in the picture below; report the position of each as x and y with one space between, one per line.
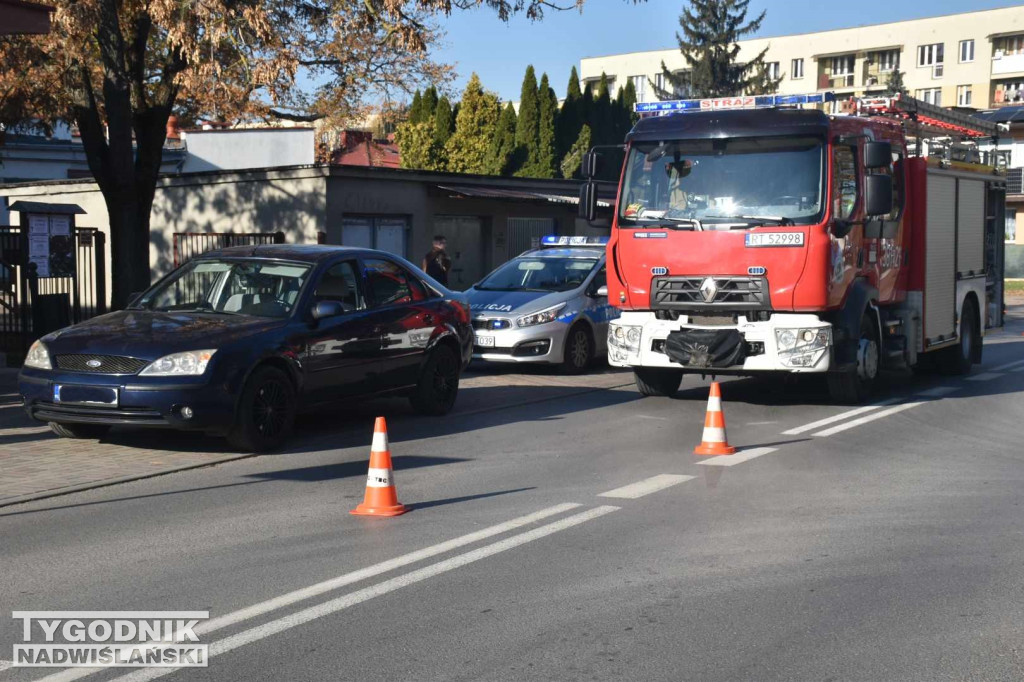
580 539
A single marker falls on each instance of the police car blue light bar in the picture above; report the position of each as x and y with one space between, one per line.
555 240
742 102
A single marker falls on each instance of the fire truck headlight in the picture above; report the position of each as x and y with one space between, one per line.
624 337
802 347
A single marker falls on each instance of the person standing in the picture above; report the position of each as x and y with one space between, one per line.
437 264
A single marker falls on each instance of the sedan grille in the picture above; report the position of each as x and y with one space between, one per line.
702 293
101 364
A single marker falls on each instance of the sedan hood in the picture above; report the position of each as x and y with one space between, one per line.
150 335
489 303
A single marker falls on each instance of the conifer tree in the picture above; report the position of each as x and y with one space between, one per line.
528 121
570 165
503 160
444 121
429 103
468 149
543 165
416 108
708 43
570 118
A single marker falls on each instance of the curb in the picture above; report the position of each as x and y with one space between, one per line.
57 492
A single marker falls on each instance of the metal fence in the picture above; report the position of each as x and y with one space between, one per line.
31 306
188 245
1014 184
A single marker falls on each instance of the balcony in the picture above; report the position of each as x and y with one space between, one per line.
827 81
1007 64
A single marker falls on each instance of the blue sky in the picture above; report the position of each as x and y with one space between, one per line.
477 41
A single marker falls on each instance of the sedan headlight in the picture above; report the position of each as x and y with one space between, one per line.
190 363
38 356
542 317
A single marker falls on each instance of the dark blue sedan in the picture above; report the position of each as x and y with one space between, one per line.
236 341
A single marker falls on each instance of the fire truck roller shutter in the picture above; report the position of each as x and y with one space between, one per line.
846 324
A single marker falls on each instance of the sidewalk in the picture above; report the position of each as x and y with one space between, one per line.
35 464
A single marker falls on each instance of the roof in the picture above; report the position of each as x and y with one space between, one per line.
515 194
44 207
731 123
1002 115
310 253
358 148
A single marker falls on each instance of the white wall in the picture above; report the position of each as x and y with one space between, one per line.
240 149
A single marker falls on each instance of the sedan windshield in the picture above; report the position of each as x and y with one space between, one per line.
723 183
539 274
232 287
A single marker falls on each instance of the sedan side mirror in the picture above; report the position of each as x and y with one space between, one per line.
325 309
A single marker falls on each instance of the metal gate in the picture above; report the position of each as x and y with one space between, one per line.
188 245
525 233
31 306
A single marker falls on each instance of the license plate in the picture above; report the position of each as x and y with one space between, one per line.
485 341
85 395
774 239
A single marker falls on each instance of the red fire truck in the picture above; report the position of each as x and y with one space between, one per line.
761 234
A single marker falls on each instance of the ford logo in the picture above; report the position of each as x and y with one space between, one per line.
93 363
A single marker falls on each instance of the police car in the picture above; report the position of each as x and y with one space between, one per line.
548 305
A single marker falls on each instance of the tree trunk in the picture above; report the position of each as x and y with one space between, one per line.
129 245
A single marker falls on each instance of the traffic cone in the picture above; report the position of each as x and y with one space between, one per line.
381 497
714 441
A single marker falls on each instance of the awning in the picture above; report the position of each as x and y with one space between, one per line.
22 17
1004 34
479 191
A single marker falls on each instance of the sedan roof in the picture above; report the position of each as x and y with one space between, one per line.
312 253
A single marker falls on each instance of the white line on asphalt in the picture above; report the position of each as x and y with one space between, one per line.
761 423
646 486
649 416
839 417
343 580
870 418
985 376
1009 365
737 458
327 608
937 391
4 665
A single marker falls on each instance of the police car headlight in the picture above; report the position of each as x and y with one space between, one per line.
38 356
191 363
542 317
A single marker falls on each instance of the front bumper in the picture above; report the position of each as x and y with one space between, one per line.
542 343
763 352
142 401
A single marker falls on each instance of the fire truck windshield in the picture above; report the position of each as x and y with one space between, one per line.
723 183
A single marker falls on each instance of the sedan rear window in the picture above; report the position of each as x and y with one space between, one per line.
239 287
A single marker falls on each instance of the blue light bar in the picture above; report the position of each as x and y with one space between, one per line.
742 102
555 240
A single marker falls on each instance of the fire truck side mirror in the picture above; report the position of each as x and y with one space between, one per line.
877 195
589 167
877 155
588 201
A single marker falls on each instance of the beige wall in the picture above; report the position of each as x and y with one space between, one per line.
816 50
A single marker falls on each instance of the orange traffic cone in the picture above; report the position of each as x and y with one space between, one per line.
381 497
714 441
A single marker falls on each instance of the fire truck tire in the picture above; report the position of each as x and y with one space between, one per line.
957 360
657 382
856 384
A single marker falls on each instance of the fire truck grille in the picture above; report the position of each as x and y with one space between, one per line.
709 293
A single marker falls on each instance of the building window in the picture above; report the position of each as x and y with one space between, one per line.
796 68
889 60
681 91
930 95
640 85
1011 227
963 95
966 51
1009 91
930 55
1011 45
842 66
772 69
372 232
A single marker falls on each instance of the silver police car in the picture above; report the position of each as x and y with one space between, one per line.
543 306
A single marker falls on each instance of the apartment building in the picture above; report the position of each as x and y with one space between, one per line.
972 59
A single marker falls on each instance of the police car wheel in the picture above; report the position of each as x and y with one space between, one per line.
579 350
83 431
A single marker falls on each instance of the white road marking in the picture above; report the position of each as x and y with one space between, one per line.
327 608
737 458
650 416
937 391
4 665
839 417
341 581
985 376
646 486
761 423
870 418
1009 365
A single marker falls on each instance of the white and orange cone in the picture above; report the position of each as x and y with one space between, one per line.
714 442
381 498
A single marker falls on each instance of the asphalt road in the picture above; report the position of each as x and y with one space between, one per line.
883 543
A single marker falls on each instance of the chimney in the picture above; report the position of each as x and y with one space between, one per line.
173 130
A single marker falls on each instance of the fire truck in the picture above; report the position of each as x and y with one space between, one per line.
765 234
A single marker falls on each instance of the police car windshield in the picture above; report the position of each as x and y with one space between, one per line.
723 182
539 274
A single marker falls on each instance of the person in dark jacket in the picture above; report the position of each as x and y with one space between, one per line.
437 264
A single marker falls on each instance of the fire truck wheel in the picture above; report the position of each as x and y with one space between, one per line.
958 359
657 382
579 350
856 384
